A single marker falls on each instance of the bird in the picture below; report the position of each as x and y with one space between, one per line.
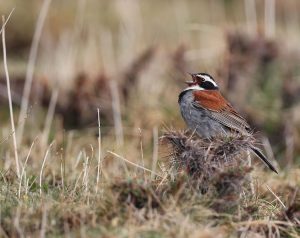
209 114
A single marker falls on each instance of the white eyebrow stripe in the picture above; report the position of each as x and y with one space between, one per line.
194 87
207 78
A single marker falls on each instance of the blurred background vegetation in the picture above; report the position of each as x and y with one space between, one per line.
129 58
145 48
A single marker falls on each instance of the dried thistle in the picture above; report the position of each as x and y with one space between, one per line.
219 164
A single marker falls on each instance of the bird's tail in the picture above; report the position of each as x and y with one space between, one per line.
259 154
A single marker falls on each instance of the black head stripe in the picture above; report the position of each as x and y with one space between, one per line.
205 74
208 85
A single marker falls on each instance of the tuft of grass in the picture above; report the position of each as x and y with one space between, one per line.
219 166
203 158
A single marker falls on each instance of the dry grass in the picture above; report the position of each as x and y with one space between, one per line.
188 193
111 72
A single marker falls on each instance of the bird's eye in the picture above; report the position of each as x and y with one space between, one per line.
200 79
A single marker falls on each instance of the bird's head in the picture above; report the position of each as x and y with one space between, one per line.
201 81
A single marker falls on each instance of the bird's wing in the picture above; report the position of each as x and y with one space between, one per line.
220 110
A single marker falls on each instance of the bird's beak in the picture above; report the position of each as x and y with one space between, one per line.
192 81
189 82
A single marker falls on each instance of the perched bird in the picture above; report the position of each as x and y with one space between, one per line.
209 114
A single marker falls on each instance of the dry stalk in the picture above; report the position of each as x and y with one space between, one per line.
142 150
49 118
31 67
44 222
251 17
270 15
277 198
4 24
99 151
11 113
43 165
134 164
85 179
24 168
117 113
155 151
